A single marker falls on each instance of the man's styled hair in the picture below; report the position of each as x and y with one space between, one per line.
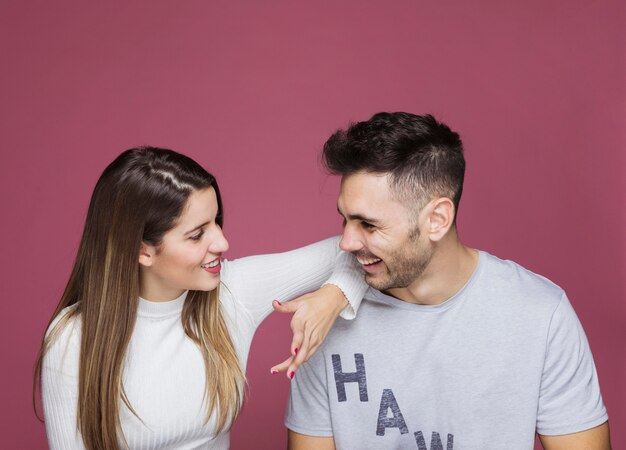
423 156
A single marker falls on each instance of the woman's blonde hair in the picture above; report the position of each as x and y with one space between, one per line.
138 198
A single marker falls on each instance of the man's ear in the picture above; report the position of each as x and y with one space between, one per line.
146 254
440 218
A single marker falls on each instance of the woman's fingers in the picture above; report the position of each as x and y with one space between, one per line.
299 358
287 308
282 367
313 316
297 343
297 325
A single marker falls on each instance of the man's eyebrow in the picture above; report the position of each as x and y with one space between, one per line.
358 217
197 228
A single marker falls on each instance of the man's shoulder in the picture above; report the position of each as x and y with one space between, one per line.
513 278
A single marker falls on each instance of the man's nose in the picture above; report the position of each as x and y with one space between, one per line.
350 240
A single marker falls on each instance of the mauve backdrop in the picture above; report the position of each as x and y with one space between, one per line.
251 90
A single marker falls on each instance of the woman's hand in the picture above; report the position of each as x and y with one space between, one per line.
313 316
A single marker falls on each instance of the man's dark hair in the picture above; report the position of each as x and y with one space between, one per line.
423 156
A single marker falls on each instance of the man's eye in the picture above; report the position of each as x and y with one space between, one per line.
367 226
196 237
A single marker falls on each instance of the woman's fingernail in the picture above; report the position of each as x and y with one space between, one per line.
273 372
291 374
295 350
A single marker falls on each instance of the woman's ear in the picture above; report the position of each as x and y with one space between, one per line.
146 254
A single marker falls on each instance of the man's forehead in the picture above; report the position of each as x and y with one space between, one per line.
367 195
366 183
365 175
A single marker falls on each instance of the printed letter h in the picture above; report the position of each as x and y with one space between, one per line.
341 378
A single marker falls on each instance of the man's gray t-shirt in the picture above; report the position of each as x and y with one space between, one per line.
503 358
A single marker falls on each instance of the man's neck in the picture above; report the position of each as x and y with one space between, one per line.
451 266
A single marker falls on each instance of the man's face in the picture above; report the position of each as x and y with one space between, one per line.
381 233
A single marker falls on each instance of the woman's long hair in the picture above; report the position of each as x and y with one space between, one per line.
138 198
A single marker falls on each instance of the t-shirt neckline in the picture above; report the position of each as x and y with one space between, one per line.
443 306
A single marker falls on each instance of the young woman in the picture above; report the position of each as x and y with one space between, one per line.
148 345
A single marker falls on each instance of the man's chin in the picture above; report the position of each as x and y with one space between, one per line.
377 281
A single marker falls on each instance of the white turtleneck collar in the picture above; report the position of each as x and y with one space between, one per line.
156 310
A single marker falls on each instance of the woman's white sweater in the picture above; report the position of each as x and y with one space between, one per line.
163 375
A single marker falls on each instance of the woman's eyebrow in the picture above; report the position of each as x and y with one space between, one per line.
196 228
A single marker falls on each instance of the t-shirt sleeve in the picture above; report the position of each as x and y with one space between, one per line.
308 410
59 387
256 281
569 398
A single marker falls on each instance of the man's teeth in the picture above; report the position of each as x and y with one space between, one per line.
211 264
367 262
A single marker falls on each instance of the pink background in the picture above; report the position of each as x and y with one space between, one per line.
252 90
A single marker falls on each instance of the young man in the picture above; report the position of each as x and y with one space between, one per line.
453 348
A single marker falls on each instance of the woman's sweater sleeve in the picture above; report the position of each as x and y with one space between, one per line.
59 388
257 280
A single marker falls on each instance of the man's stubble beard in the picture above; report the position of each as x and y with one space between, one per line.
404 265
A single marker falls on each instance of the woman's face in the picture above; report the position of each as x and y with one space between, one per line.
189 256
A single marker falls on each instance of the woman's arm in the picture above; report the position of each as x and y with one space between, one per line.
255 282
59 388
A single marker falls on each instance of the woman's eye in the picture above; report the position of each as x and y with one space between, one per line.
196 237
